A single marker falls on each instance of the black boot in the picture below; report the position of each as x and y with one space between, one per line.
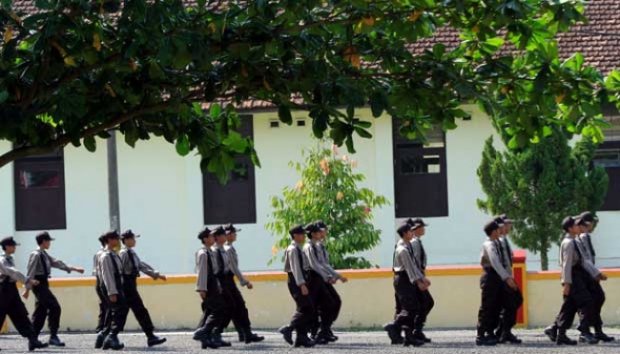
598 334
202 333
100 338
55 341
508 337
287 333
562 339
249 337
155 340
302 340
216 338
393 331
485 339
208 343
418 334
34 343
332 337
552 333
587 337
241 336
410 339
112 342
322 337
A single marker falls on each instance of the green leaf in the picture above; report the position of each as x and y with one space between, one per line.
155 71
284 114
363 133
350 146
90 143
377 104
182 145
4 95
235 142
215 110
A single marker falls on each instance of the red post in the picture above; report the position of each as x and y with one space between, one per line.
520 274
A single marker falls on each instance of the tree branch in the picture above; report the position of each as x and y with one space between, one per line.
63 140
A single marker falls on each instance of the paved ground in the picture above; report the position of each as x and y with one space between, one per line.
444 342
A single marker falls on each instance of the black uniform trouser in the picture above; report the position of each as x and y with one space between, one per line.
408 302
134 302
46 306
102 307
511 301
578 299
426 305
239 312
216 310
336 301
491 286
11 305
114 318
598 296
304 314
326 305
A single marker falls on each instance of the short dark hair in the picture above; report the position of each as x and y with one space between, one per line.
490 227
568 222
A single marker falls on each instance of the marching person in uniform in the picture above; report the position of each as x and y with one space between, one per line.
511 299
215 308
492 282
575 273
110 266
426 299
10 303
131 268
241 319
318 278
102 297
407 276
335 276
46 306
587 223
221 268
294 264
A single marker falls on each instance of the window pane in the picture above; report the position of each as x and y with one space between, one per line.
608 158
39 179
40 193
421 164
240 173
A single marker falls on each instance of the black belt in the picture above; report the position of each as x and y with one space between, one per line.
305 274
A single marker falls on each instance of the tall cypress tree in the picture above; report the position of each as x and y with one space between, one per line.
539 185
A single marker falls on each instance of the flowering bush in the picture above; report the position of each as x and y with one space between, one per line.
328 191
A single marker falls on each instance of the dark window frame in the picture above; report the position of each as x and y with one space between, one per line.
40 207
237 197
612 199
419 194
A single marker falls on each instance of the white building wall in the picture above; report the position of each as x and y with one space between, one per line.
7 205
156 190
161 198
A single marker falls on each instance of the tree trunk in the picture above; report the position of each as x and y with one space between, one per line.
544 258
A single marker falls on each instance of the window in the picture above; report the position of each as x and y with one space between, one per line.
235 201
608 156
420 176
40 192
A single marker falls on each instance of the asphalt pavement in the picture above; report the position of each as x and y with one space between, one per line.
370 342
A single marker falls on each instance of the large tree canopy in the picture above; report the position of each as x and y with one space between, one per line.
77 68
